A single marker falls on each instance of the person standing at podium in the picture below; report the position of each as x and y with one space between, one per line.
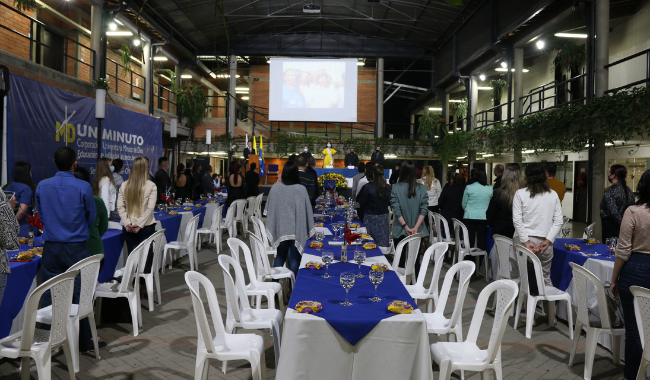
329 152
248 150
351 159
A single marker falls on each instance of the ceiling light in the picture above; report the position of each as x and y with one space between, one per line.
160 58
523 70
241 92
435 108
136 42
268 61
118 22
361 63
504 70
460 158
504 64
213 75
435 137
245 98
120 33
186 76
242 89
488 155
481 77
112 26
456 101
207 57
390 156
226 76
609 144
540 44
484 88
571 35
528 151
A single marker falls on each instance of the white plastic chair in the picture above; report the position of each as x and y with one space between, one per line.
255 287
453 356
128 287
239 207
250 207
220 345
595 325
442 225
437 323
260 231
503 248
39 344
114 226
152 278
88 268
589 227
240 314
433 236
546 293
258 206
188 244
413 243
463 247
265 270
418 291
642 314
228 224
213 231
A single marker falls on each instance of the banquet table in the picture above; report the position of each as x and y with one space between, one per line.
347 173
363 341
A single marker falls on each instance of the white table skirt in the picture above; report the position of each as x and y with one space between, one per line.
397 348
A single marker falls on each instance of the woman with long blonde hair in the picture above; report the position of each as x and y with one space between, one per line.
136 203
104 184
499 212
434 189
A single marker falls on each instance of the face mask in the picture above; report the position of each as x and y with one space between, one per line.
112 168
329 145
609 178
306 150
377 150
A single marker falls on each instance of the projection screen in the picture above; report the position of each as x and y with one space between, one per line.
319 90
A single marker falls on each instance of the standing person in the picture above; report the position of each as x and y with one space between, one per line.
198 183
537 216
104 185
311 164
475 203
162 180
450 178
100 225
180 181
498 172
615 201
355 180
418 171
410 203
305 152
252 181
9 228
351 159
307 180
472 177
23 187
136 203
374 199
206 180
370 166
118 165
189 178
499 212
555 184
235 184
377 157
434 189
329 153
631 268
290 220
248 150
451 200
394 176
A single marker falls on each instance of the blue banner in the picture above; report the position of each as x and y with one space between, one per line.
41 118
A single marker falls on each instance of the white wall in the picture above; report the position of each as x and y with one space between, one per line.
626 39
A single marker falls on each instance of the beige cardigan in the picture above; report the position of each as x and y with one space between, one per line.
146 217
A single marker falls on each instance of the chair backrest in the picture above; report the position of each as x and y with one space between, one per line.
250 207
217 216
273 169
154 241
433 236
462 244
263 266
235 288
413 245
89 270
503 246
256 226
61 288
258 205
114 226
230 216
131 267
190 231
442 225
263 233
506 292
465 269
239 206
523 254
589 227
237 245
581 277
193 281
438 251
642 313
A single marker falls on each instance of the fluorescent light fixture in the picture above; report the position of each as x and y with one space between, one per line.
484 88
166 77
481 77
213 75
134 59
391 156
609 144
245 98
268 61
242 89
186 76
435 137
460 158
241 92
488 155
456 101
207 57
504 64
571 35
160 59
435 108
528 151
226 76
501 69
540 44
112 26
119 33
361 63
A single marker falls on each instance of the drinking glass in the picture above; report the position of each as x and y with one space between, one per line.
336 227
320 236
347 281
327 257
202 196
376 277
359 257
566 231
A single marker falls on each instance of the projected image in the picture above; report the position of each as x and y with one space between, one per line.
313 84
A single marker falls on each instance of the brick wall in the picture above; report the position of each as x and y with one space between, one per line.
122 84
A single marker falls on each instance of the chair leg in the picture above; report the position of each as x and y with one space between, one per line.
93 331
569 312
157 282
73 340
590 351
518 311
574 344
24 368
498 370
200 367
616 348
530 316
43 361
258 302
68 352
642 369
445 370
487 268
148 279
133 305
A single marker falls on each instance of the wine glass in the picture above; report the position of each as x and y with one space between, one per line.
320 235
376 277
327 258
566 231
336 227
359 257
202 196
347 281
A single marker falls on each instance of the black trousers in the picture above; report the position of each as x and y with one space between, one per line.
477 231
134 239
610 228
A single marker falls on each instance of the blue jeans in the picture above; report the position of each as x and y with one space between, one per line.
3 284
635 272
287 251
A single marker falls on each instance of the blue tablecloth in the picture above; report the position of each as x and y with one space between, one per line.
171 224
352 322
113 241
561 273
347 173
336 249
19 283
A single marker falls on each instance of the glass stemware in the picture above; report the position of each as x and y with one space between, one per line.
327 258
566 231
336 227
376 277
319 238
347 281
359 257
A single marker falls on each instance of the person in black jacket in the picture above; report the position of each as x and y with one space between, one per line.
305 152
196 180
374 199
378 157
189 178
499 212
498 171
394 176
162 180
252 181
351 159
451 201
206 180
311 164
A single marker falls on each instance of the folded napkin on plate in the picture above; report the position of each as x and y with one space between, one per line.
340 242
325 230
360 230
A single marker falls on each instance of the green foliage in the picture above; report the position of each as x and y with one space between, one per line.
101 83
24 5
126 60
461 109
570 57
432 128
191 103
172 76
497 90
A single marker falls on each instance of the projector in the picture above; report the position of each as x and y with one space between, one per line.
311 8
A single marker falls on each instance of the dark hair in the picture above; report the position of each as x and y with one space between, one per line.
644 189
214 176
329 142
292 157
311 161
82 174
118 164
380 181
407 175
253 166
161 160
620 172
301 160
180 169
235 172
197 167
208 168
64 158
550 168
189 163
450 175
459 179
515 166
290 173
22 173
370 166
479 176
536 180
362 167
498 168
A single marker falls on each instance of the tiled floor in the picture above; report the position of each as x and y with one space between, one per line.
165 348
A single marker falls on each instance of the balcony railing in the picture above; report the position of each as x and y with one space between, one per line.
554 95
125 87
164 98
645 81
492 116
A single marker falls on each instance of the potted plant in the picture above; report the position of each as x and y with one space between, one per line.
126 60
24 5
570 57
497 92
101 85
190 100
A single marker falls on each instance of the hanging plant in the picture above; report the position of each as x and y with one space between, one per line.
191 103
172 77
126 60
101 84
497 90
461 109
432 127
24 5
570 57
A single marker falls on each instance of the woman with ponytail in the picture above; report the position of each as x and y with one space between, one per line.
615 201
374 200
235 185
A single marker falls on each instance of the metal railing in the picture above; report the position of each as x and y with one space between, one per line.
54 59
164 98
130 83
554 95
645 81
492 116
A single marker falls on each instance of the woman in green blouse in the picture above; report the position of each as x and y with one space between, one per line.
100 226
